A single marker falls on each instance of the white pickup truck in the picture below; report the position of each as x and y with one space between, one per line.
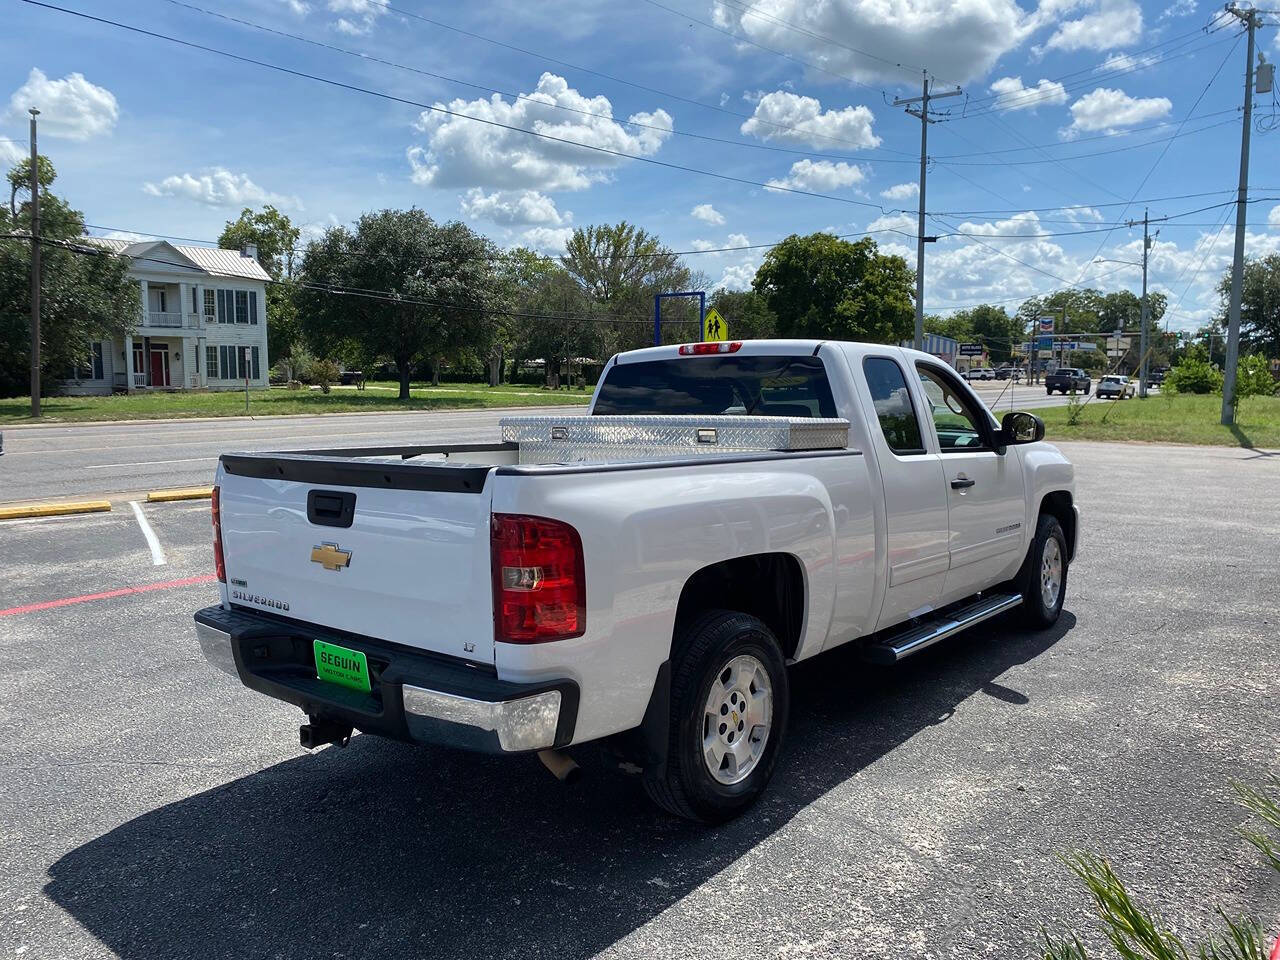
644 575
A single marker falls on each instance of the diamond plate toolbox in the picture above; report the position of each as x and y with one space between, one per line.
578 439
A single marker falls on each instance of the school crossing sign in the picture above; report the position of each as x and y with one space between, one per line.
714 327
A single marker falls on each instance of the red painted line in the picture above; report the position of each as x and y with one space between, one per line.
122 592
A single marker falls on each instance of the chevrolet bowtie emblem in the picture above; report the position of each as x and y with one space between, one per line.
330 556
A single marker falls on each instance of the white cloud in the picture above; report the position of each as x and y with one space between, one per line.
363 15
11 153
820 176
1179 8
959 41
1012 95
219 187
1273 219
901 191
463 153
549 240
1111 24
790 118
1125 61
738 276
128 235
1082 214
297 7
707 214
514 208
1108 109
71 107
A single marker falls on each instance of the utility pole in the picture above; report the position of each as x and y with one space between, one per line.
923 113
1250 19
1143 360
35 269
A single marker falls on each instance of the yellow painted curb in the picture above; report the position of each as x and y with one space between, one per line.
53 509
188 493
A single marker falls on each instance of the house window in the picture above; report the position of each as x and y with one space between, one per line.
234 364
210 308
242 306
211 358
92 368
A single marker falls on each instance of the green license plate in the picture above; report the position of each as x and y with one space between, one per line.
341 665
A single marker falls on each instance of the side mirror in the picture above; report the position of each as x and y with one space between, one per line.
1018 427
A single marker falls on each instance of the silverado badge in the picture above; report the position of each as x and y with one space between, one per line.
330 556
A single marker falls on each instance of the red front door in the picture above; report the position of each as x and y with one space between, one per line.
159 368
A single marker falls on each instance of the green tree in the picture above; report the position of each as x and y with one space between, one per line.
276 239
401 287
958 326
822 286
550 304
746 312
1259 304
621 267
993 328
86 292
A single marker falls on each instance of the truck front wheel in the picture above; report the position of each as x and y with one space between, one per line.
729 704
1043 577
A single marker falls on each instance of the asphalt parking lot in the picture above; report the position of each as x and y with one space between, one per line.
150 808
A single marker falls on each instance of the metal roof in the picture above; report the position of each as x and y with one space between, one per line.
212 260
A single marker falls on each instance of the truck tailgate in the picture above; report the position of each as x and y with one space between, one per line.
408 566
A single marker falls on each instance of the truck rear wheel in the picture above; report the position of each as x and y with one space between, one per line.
1043 579
730 700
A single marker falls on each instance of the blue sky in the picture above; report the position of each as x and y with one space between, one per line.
154 138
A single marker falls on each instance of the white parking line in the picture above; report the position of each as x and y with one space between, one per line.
144 463
157 555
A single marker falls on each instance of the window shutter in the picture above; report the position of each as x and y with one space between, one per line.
253 306
256 373
222 306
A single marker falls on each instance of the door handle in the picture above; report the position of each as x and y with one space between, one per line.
960 483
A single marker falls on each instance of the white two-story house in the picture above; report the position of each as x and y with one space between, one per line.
203 324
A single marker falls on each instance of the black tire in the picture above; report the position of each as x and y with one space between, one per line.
1035 611
1048 392
1086 389
685 786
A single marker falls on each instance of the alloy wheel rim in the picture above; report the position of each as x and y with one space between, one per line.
737 719
1051 573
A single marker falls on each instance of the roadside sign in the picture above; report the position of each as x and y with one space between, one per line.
1046 343
970 349
714 326
1046 324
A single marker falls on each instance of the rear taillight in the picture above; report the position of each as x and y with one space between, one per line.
219 567
539 580
701 349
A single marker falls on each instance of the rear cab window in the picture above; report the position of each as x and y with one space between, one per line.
761 386
899 424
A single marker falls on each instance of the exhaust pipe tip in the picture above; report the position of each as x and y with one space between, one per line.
561 765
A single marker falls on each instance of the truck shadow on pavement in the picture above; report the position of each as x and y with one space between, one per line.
390 850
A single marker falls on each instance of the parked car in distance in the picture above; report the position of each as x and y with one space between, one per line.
1003 373
643 575
1156 377
1067 380
980 373
1116 386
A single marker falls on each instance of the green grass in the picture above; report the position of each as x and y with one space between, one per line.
1175 418
377 397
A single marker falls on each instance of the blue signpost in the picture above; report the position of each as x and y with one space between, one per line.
657 311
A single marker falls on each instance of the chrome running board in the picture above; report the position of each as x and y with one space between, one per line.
899 646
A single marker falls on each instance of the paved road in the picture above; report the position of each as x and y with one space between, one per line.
111 458
150 809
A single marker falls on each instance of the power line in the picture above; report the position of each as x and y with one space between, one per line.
435 108
1083 206
943 157
1085 156
542 103
601 74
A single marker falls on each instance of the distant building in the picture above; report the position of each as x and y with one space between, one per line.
944 348
202 326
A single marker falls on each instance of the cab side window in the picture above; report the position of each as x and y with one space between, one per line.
893 406
958 424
